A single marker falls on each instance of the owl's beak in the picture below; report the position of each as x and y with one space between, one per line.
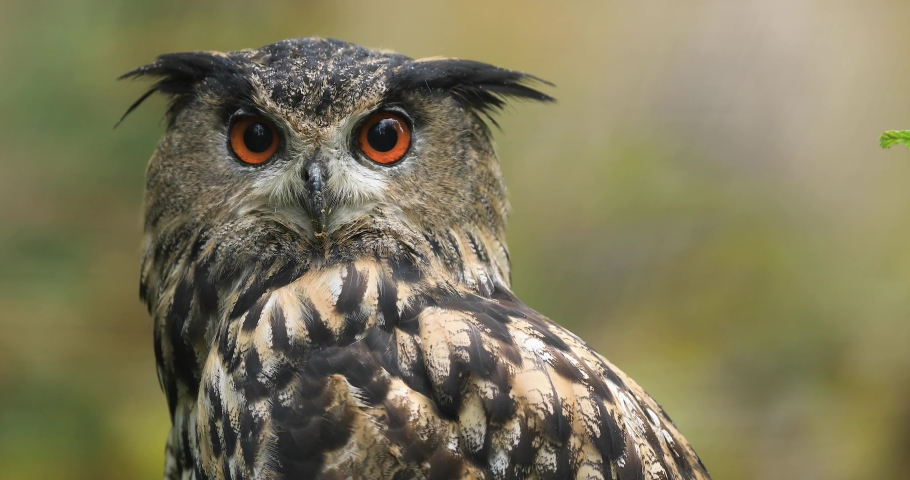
315 202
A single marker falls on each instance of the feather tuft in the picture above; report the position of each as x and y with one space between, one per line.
179 75
479 86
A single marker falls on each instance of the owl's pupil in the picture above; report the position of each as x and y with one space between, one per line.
257 138
383 136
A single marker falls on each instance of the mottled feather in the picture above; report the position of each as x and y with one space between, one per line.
382 341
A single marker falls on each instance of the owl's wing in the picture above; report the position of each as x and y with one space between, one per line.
525 395
451 386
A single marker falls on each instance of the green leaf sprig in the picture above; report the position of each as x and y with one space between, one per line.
893 137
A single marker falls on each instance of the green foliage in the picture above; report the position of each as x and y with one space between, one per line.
892 137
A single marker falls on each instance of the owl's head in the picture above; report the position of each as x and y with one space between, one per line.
320 149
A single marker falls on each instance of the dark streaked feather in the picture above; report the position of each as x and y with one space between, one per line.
180 73
480 86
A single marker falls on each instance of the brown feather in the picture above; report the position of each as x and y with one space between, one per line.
388 345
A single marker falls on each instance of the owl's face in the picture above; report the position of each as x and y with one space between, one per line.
327 144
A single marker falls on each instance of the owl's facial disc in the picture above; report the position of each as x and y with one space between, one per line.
324 183
333 183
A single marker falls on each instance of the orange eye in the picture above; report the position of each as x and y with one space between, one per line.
253 140
385 137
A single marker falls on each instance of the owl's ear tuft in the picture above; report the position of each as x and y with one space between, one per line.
179 74
479 86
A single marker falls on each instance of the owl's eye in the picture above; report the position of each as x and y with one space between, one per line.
253 140
385 137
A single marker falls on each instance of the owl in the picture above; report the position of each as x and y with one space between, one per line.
325 262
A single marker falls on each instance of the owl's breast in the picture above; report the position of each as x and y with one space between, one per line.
354 372
317 379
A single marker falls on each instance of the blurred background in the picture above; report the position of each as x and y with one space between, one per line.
707 205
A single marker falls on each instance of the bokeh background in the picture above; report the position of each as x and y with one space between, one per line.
707 205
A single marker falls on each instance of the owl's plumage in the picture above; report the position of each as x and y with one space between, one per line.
321 315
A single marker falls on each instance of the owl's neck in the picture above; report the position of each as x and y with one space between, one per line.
454 259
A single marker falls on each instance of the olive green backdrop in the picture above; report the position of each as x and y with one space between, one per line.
706 205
